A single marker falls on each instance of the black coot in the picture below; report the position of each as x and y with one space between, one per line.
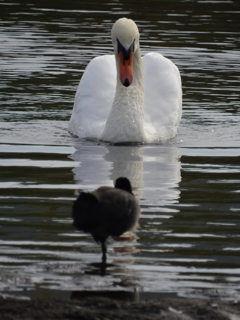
106 211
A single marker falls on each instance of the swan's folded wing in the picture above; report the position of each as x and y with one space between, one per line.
94 98
163 97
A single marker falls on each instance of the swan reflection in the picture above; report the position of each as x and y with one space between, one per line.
154 171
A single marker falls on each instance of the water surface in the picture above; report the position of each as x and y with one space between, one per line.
188 241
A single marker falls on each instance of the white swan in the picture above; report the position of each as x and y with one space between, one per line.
133 100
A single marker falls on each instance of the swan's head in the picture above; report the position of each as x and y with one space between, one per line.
125 38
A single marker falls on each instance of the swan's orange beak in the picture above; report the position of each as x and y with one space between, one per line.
126 68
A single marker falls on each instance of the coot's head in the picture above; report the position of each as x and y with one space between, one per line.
124 184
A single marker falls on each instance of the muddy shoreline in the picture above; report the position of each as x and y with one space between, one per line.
107 309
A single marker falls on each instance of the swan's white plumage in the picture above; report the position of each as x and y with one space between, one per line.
146 111
94 98
163 97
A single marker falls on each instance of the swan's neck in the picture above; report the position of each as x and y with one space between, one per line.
125 121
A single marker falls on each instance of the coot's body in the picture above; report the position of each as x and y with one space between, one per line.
106 211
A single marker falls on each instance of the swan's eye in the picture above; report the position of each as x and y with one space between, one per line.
120 46
132 47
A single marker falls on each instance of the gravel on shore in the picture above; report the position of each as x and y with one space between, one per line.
107 309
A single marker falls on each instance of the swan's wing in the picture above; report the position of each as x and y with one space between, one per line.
94 98
163 97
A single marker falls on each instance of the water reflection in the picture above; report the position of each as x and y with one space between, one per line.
115 295
142 165
154 172
124 161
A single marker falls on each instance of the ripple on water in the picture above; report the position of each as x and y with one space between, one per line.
187 241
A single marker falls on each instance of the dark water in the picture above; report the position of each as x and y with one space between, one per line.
188 239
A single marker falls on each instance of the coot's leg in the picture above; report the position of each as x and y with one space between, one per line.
104 251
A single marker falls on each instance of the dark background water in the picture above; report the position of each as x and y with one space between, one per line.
188 239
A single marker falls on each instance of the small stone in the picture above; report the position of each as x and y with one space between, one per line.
175 310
